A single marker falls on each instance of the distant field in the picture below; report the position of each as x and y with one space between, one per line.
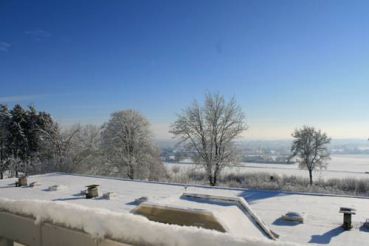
340 166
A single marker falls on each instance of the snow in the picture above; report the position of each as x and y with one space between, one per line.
230 216
322 220
101 217
321 217
124 226
340 166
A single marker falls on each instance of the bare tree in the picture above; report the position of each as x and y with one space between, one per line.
310 148
127 144
84 150
78 149
209 131
57 146
72 149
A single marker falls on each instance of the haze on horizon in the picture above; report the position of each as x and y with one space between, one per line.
288 63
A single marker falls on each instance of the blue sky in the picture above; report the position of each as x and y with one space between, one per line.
288 63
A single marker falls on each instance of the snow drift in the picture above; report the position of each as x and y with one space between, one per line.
126 227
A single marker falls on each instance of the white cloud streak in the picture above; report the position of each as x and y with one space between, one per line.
4 46
15 99
38 34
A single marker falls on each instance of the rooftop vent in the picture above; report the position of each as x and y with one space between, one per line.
22 181
109 195
293 216
92 191
366 224
347 214
57 187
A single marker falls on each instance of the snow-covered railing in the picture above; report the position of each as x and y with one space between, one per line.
35 223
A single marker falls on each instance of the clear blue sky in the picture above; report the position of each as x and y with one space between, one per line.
288 63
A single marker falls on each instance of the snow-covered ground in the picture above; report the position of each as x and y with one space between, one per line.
340 166
321 226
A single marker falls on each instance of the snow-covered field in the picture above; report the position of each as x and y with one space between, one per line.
321 226
340 166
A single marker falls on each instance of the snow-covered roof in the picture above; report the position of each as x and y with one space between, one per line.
321 218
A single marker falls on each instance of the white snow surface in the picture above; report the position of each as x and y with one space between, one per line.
102 217
230 216
111 218
340 166
124 226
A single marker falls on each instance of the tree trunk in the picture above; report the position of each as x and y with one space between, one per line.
16 173
25 168
212 180
311 177
1 175
131 172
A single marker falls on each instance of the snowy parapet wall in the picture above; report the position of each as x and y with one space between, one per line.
125 227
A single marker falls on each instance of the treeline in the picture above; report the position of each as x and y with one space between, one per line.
25 138
31 142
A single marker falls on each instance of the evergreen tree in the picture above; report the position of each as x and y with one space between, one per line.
4 136
18 143
29 132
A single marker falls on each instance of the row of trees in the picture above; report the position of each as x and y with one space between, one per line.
209 131
31 142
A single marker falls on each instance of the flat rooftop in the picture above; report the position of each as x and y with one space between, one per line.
322 221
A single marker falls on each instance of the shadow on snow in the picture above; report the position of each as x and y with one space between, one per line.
326 237
252 196
282 222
